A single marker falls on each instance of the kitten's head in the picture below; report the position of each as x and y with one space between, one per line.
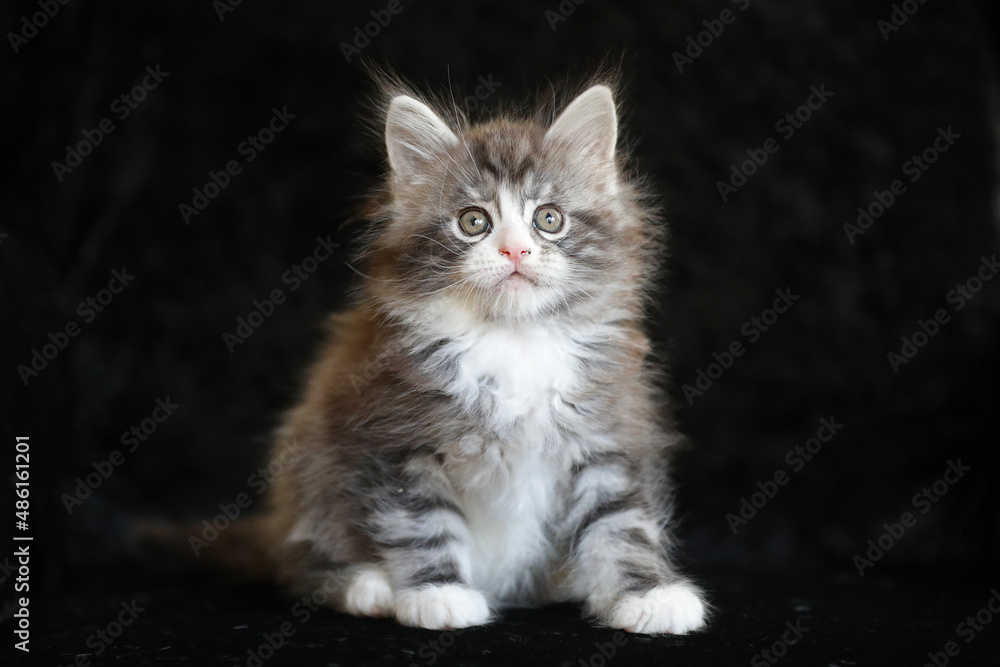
509 220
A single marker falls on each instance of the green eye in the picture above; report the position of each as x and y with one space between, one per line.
549 219
474 222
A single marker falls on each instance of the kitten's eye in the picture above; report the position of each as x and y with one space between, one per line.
549 219
474 222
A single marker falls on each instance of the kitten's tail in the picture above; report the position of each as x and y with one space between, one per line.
243 550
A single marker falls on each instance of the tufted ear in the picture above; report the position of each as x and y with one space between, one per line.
413 133
589 125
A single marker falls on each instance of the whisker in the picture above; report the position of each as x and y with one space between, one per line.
424 236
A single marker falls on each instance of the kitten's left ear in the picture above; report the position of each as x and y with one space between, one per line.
413 134
589 124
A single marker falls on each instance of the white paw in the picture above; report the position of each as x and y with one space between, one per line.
676 609
441 607
369 594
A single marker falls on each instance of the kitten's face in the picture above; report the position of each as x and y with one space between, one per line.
500 244
507 220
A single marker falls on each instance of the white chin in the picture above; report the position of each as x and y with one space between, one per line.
519 298
513 297
516 281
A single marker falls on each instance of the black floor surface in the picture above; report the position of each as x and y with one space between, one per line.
759 620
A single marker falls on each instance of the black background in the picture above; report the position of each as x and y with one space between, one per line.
826 357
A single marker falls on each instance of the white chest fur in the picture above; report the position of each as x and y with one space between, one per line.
524 370
510 482
508 516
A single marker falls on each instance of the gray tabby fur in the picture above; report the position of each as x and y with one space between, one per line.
471 439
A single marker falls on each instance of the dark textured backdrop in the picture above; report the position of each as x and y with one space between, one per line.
162 336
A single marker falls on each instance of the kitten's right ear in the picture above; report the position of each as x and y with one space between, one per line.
413 134
589 125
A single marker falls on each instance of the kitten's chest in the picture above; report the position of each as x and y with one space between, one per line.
516 375
512 508
511 468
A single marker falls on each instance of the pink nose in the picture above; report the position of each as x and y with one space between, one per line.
515 253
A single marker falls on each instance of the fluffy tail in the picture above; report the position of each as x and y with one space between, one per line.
243 550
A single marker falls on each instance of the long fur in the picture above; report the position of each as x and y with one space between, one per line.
470 439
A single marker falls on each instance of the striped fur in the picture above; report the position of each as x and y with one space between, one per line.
507 446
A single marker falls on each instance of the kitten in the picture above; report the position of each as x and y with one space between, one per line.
482 428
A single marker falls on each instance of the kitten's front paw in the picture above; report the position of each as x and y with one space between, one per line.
369 594
441 607
674 608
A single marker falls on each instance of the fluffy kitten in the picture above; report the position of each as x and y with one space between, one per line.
482 428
